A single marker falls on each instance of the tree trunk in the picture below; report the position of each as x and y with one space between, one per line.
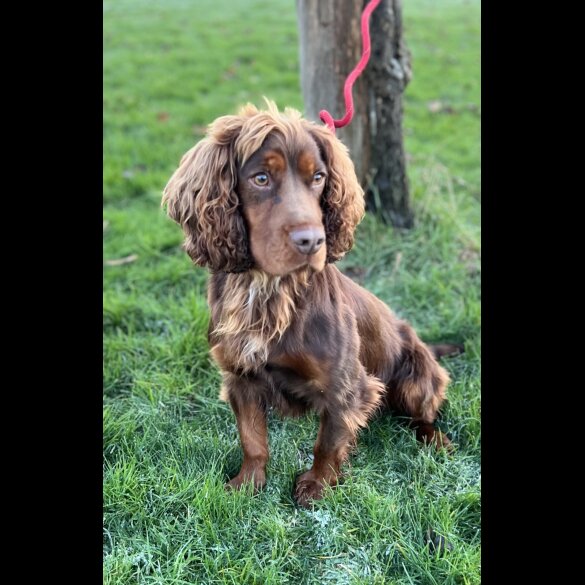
330 47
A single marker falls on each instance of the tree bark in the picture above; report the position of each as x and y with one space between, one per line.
330 47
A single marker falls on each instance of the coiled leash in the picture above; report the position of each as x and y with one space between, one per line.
325 116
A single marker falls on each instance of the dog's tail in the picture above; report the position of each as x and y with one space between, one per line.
440 350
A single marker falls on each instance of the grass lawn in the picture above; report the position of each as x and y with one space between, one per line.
169 444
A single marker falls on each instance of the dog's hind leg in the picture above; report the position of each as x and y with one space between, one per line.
440 350
417 388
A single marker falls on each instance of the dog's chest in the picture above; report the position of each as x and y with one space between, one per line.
250 317
295 383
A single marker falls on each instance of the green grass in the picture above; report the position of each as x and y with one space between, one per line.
169 443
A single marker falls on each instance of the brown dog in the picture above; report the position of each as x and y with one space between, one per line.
268 202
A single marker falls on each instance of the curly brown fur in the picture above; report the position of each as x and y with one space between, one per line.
268 202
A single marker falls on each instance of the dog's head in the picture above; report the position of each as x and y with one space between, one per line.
266 190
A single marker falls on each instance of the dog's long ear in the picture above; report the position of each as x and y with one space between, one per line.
343 197
201 196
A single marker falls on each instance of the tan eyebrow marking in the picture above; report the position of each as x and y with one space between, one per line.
274 162
306 165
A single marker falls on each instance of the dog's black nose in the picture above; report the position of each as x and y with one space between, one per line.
308 240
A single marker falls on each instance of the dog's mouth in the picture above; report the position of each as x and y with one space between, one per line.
305 263
314 264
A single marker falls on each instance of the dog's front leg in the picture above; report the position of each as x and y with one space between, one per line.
333 442
346 412
246 402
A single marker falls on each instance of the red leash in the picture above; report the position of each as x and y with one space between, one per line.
325 116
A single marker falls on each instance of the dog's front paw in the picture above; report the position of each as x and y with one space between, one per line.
429 435
441 441
256 477
309 488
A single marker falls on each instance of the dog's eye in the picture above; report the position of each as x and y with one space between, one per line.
261 179
318 178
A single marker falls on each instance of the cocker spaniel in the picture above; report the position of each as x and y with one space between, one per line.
269 201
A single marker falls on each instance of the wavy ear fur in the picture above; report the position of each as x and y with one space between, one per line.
343 199
201 196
